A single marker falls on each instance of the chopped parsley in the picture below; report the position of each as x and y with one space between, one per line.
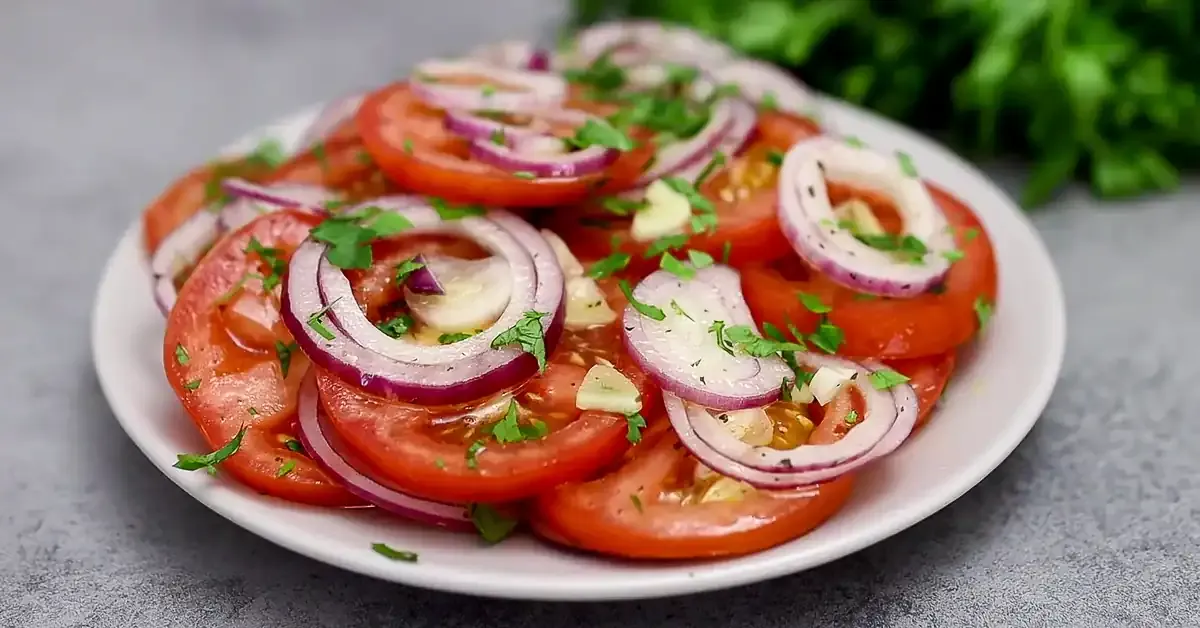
209 461
602 75
768 102
635 423
527 334
181 355
774 332
699 259
953 255
828 337
396 327
473 453
510 430
726 251
408 146
406 268
679 310
284 353
623 206
447 211
497 137
813 303
744 337
349 235
676 267
906 164
492 525
488 90
645 309
885 378
664 244
851 417
637 502
273 258
318 151
192 385
314 321
599 132
970 233
268 153
286 468
718 160
854 141
449 339
717 328
364 158
697 200
909 248
775 158
439 463
388 552
252 411
614 263
983 311
293 445
525 174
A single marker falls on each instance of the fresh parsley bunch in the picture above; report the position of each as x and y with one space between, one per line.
1106 91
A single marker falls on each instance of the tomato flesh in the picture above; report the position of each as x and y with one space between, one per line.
928 377
231 376
930 324
743 194
409 141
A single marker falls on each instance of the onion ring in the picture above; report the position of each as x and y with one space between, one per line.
514 89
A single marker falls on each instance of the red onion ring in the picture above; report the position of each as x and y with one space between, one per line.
422 280
730 459
538 89
181 249
755 79
252 200
743 120
807 219
332 115
321 442
682 355
698 148
426 375
590 160
644 40
521 55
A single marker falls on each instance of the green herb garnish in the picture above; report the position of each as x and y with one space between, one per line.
885 378
449 339
983 311
610 265
598 132
828 337
645 309
209 461
635 423
181 355
447 211
699 259
676 267
387 552
406 268
396 327
527 334
813 303
292 444
284 353
664 244
637 502
492 526
273 258
192 385
286 468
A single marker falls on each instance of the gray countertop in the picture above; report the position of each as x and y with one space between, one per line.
1092 522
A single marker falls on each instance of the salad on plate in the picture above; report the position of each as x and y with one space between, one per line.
629 296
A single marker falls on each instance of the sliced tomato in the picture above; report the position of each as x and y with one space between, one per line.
190 194
412 146
744 195
223 362
635 511
928 376
341 163
427 451
930 324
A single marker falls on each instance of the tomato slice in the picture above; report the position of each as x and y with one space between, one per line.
191 193
411 145
340 163
222 360
603 515
928 376
744 195
930 324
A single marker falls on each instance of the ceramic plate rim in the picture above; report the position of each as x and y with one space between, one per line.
673 580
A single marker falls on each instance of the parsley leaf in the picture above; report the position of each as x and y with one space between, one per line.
775 158
645 309
813 303
349 235
983 311
718 160
491 524
851 417
717 328
397 326
970 233
286 468
284 353
314 322
599 132
697 200
294 445
602 75
388 552
449 339
828 337
528 334
192 385
612 264
699 259
675 307
676 267
507 430
664 244
885 378
726 251
181 355
768 101
447 211
623 206
406 268
273 258
473 453
953 255
525 174
269 153
906 164
637 502
635 423
194 462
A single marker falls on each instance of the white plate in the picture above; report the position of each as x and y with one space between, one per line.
993 401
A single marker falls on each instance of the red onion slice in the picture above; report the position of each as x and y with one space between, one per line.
743 120
180 250
644 40
332 116
473 294
516 54
252 200
807 219
422 280
756 79
513 89
681 353
696 149
426 375
323 445
899 402
476 127
590 160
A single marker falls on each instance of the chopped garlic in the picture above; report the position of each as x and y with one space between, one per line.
667 213
586 306
605 388
828 381
566 260
726 490
858 212
752 426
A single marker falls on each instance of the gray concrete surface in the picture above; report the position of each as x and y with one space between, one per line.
1092 522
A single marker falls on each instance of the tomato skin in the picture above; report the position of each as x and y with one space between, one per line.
928 377
438 163
600 516
339 163
750 225
930 324
229 377
188 195
396 440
